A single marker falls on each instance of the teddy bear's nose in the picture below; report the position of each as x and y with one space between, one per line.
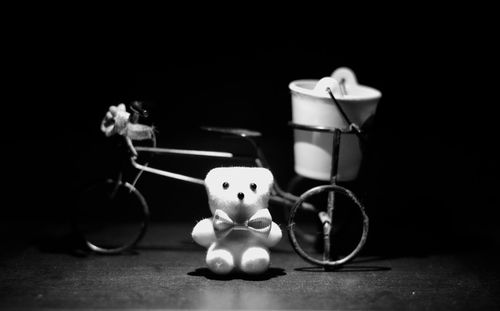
241 195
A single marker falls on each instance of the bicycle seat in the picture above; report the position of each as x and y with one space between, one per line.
232 131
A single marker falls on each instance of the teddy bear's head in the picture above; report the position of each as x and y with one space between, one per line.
238 191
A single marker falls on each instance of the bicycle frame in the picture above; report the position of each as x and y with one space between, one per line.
278 195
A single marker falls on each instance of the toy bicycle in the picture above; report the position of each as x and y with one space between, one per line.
124 125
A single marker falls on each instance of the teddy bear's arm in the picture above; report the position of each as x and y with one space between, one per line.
274 235
203 233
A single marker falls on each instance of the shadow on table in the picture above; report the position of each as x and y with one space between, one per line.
75 245
360 264
347 268
71 244
269 274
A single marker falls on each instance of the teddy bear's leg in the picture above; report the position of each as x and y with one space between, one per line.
220 260
255 260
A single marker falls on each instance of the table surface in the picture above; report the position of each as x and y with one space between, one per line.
167 271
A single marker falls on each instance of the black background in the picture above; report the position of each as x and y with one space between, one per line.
431 174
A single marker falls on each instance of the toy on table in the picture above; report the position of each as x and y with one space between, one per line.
241 231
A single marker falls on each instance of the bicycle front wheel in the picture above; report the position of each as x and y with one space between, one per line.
111 216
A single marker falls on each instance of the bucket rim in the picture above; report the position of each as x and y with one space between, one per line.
294 87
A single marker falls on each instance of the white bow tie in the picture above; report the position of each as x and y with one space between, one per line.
259 223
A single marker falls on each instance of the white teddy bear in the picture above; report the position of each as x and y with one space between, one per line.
241 230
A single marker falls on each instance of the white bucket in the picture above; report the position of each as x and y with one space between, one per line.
312 105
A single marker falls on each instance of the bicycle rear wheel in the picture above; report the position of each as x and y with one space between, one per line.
112 216
348 201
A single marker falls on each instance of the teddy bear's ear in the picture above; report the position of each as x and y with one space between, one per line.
266 178
212 177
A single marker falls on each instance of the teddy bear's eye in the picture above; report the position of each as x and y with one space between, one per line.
225 185
253 186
